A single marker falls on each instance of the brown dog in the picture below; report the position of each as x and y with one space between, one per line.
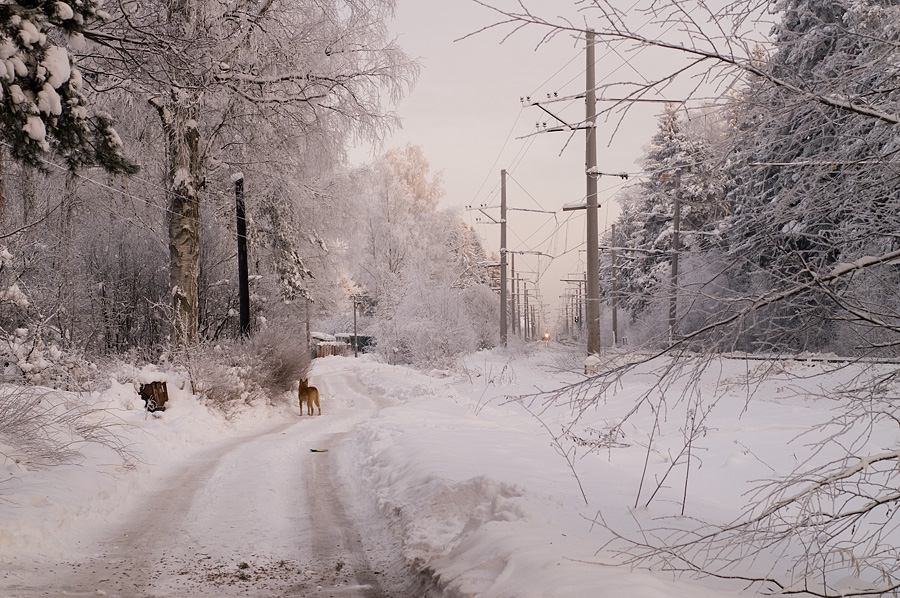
309 395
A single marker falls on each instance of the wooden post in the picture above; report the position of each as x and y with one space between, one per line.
243 271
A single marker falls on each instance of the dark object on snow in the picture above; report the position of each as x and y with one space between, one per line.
155 396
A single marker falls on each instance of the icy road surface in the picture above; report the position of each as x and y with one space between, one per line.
259 515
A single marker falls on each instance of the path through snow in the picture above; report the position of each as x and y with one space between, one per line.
259 515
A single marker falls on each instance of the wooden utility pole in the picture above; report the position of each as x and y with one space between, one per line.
355 335
676 248
593 262
503 290
243 271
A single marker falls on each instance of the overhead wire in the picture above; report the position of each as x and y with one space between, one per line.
552 240
121 192
499 154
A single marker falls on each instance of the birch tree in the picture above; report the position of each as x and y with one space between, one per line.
214 71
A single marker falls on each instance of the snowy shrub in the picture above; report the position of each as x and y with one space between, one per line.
42 428
217 384
233 374
221 389
428 327
482 306
278 358
27 357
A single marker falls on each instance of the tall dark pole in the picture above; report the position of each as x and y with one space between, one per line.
615 290
593 258
676 248
243 272
355 336
504 301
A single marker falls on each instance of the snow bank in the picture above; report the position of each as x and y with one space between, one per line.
50 511
481 499
478 489
484 501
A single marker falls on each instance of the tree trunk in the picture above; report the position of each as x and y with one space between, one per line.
179 120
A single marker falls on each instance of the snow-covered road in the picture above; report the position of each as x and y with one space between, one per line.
257 515
452 473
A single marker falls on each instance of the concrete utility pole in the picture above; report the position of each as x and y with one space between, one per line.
593 262
512 303
503 291
526 327
518 292
243 271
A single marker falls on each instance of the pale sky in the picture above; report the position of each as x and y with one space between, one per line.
466 114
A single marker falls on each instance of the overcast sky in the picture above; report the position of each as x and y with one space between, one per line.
466 114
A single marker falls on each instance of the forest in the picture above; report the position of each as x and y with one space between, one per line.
764 223
124 135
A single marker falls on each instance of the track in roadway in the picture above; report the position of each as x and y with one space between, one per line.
260 515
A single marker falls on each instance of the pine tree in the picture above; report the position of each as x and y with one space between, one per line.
674 162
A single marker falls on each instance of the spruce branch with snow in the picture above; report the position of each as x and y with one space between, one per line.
44 111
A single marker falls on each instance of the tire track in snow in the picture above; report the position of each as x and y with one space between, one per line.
336 540
175 543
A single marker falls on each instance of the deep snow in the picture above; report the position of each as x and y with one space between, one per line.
469 482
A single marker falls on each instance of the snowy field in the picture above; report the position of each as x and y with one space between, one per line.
471 484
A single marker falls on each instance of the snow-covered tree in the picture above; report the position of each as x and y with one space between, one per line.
815 184
217 72
470 256
44 111
421 265
676 165
401 200
809 241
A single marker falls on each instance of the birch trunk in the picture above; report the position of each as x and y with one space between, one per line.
179 121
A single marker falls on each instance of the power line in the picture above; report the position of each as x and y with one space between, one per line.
121 192
536 202
497 159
